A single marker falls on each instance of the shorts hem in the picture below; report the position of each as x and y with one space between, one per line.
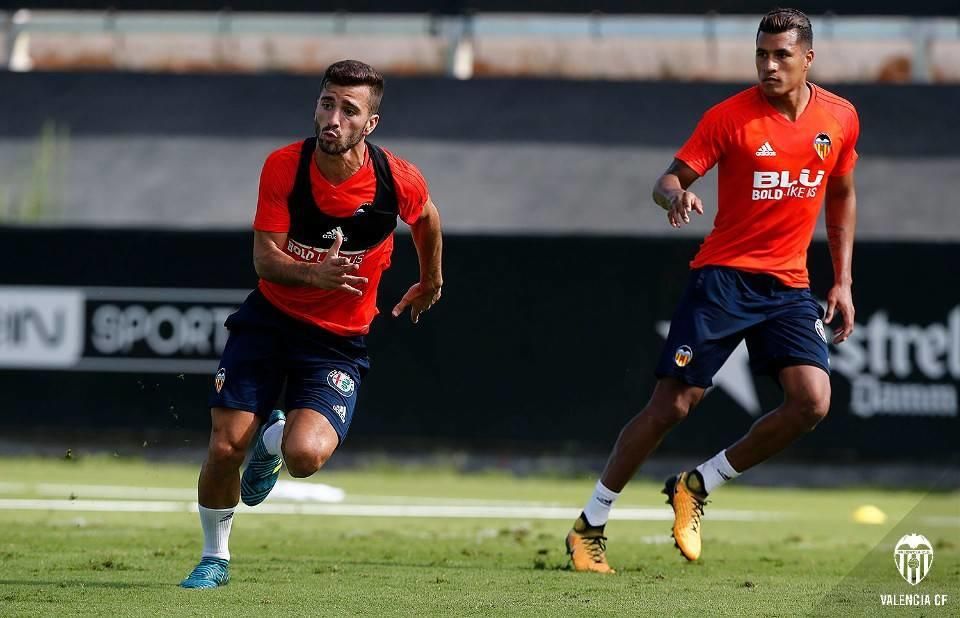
774 367
329 415
685 379
230 404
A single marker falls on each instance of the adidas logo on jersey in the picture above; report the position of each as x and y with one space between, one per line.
766 150
332 234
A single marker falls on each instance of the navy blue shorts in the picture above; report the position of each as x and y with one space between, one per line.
269 352
722 306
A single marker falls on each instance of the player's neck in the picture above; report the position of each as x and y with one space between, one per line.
791 104
338 168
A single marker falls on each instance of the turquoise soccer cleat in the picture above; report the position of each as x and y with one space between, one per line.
209 573
263 469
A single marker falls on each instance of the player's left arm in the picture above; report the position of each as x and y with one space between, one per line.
841 213
428 239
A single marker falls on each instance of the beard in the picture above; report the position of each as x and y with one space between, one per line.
338 146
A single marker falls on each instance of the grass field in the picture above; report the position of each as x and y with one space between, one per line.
768 552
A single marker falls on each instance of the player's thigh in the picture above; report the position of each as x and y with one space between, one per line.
793 335
806 385
250 375
328 387
707 325
309 434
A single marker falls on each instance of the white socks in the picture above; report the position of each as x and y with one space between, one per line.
216 524
273 437
716 471
598 506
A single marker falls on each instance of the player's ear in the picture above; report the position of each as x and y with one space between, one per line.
372 123
808 58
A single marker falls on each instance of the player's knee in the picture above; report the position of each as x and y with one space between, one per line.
225 452
303 462
818 411
671 406
670 413
812 407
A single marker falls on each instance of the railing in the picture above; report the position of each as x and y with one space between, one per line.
929 46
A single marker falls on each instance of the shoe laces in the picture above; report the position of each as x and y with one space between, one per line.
596 547
698 505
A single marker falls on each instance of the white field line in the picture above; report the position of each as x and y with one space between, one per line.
109 506
53 490
116 491
138 500
284 490
57 490
373 510
941 520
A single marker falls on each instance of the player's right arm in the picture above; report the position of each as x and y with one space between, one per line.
701 151
670 193
272 224
275 266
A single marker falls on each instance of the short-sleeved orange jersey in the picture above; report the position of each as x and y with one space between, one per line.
333 310
772 178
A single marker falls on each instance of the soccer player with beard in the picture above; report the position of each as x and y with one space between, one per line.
784 147
323 235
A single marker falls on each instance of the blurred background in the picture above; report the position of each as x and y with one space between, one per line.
131 140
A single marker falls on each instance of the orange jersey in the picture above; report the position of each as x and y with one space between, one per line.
333 310
773 175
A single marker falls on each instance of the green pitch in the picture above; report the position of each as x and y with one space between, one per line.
792 552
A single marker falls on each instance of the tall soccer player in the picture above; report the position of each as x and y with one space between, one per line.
783 147
323 235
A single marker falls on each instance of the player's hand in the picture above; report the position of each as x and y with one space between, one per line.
682 204
333 272
420 297
840 299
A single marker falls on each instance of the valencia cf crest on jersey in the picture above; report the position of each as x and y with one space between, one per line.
822 144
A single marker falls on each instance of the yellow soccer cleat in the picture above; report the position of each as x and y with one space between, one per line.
587 547
687 511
